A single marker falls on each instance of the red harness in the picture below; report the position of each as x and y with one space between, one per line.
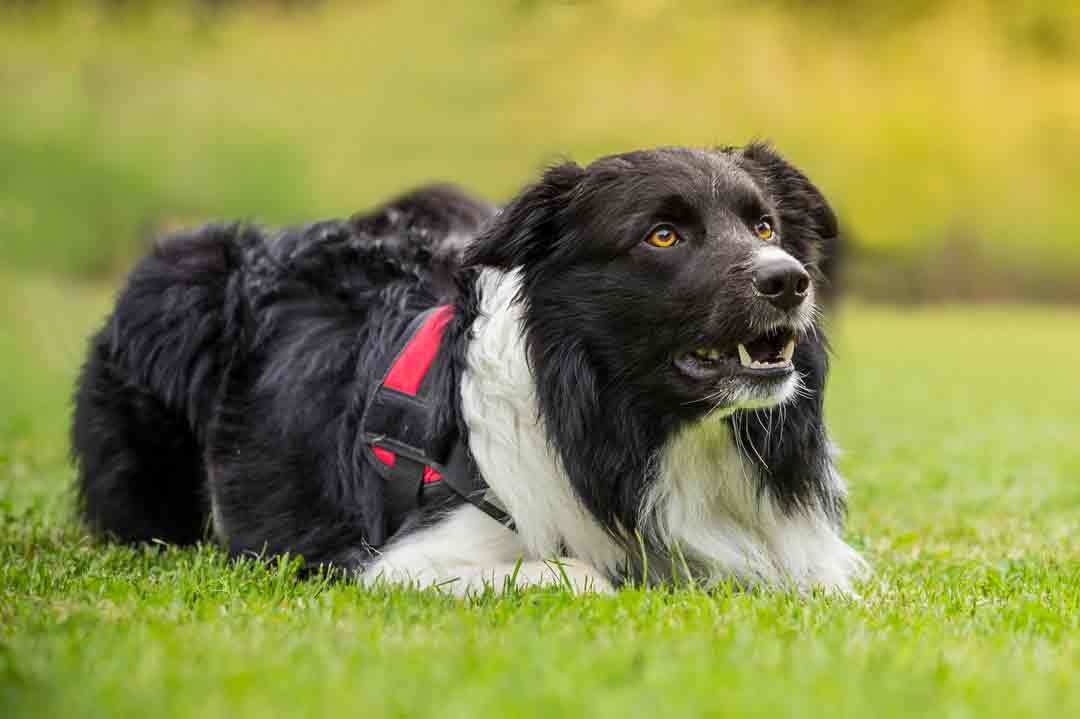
408 370
419 467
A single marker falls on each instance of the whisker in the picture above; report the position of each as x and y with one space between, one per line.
761 424
750 441
707 398
739 445
780 442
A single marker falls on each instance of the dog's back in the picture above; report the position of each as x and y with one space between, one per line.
148 393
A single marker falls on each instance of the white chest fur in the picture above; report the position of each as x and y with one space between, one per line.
509 443
707 505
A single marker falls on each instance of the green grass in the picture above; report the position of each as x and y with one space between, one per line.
961 430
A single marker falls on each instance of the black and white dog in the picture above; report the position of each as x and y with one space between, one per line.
617 377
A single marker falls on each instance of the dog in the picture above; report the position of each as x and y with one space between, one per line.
617 377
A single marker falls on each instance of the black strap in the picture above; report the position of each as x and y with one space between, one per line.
461 475
405 484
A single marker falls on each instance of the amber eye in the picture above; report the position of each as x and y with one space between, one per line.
663 236
763 229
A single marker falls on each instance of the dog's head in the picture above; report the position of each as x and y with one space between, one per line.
686 278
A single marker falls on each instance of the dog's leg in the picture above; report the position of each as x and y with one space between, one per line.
146 392
468 551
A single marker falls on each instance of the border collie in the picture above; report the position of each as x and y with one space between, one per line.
617 377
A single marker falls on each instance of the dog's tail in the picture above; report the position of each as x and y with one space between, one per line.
145 393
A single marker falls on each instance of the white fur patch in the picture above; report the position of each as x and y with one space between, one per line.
509 442
467 552
773 252
706 504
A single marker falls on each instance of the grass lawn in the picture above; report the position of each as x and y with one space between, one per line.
962 431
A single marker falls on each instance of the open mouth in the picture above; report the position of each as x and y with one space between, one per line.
766 355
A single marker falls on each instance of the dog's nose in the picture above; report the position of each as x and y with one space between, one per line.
781 280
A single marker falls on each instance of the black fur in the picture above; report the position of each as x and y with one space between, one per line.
233 360
243 364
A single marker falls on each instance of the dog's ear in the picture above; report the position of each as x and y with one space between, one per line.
527 229
809 226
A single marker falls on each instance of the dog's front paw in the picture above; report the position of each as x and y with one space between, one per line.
571 574
575 575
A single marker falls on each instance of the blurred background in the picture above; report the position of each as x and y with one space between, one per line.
947 134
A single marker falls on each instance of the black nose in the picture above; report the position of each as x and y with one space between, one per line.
782 281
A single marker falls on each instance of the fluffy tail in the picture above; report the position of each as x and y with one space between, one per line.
147 388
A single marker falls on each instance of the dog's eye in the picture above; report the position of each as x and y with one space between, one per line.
763 229
663 236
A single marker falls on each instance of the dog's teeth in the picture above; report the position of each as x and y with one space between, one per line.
767 365
707 354
789 351
744 356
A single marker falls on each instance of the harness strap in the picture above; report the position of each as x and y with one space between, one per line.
419 468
